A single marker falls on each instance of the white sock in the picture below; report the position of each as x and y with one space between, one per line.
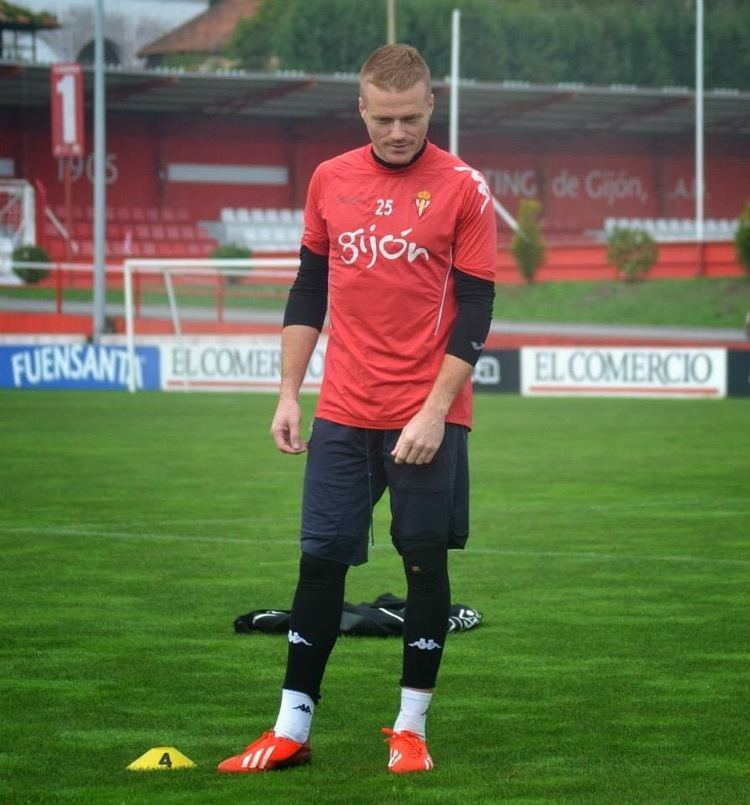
413 713
295 716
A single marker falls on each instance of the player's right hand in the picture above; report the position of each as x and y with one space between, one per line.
285 427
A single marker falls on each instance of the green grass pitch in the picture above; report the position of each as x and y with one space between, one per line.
609 555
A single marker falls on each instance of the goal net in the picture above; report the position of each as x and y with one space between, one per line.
216 323
17 222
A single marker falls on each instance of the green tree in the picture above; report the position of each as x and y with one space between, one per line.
328 35
647 43
251 43
727 56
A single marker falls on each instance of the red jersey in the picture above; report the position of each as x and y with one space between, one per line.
392 236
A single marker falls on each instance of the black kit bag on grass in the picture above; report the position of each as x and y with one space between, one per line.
384 617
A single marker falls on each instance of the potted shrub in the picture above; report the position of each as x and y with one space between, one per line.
528 247
30 254
632 252
230 251
742 239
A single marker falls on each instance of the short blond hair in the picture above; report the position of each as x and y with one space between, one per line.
395 68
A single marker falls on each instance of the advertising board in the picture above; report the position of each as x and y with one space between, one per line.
498 371
624 371
59 365
249 363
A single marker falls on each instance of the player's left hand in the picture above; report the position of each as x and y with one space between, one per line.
420 439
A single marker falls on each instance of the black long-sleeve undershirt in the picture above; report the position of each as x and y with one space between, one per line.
308 296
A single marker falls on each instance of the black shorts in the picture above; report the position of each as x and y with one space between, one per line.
347 471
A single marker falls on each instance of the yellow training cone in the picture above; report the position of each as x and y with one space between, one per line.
161 757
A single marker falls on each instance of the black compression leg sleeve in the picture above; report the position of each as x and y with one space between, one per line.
314 624
428 602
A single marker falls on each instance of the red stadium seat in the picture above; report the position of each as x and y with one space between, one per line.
178 249
163 250
56 249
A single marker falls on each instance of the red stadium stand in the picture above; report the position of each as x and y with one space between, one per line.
132 231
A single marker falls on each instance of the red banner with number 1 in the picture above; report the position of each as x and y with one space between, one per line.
66 97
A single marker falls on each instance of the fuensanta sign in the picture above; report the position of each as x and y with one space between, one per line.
66 97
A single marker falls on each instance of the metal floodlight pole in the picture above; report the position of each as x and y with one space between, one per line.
99 186
699 168
391 22
453 114
455 59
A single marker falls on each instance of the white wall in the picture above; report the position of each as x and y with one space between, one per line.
129 24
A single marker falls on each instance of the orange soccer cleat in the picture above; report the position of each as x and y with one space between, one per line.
269 752
408 752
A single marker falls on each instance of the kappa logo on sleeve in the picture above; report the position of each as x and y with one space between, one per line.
482 187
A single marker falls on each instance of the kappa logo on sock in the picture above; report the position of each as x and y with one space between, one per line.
425 645
305 708
296 638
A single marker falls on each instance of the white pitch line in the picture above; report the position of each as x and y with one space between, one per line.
612 556
135 535
217 520
52 531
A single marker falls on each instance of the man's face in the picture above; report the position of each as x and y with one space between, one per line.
396 121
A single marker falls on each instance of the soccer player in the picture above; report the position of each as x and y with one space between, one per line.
400 247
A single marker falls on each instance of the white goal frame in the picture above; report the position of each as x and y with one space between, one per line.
271 268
